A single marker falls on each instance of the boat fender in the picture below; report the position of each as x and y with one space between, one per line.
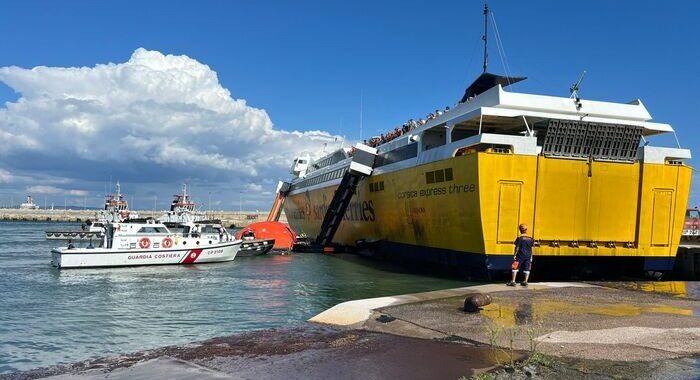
167 243
144 243
177 239
474 302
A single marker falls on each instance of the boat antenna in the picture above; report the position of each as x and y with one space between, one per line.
573 90
486 35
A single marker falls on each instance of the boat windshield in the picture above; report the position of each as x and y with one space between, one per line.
152 230
210 229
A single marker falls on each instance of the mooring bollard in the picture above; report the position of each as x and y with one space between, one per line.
474 302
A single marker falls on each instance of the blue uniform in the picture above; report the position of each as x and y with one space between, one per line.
523 255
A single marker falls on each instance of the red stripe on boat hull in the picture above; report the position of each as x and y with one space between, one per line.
192 256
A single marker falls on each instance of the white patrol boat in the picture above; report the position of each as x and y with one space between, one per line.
146 243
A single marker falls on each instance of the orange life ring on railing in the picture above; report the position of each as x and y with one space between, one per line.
144 243
167 243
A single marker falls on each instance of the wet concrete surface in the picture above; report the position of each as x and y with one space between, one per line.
588 323
309 352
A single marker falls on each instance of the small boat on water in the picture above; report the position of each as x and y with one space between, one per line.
147 243
256 247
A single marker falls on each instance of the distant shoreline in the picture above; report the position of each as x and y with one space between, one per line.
228 218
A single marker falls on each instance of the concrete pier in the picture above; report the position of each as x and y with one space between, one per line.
237 218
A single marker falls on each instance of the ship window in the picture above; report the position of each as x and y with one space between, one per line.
442 175
152 230
209 229
448 174
434 137
376 186
439 176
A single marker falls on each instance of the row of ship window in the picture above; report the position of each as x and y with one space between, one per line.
376 186
436 176
335 174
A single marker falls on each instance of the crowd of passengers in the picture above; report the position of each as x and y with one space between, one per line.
405 128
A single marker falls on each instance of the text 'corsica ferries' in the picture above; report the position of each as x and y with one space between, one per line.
453 190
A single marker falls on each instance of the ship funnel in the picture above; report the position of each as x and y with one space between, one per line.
487 81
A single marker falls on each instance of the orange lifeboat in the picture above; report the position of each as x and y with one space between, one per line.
283 235
272 228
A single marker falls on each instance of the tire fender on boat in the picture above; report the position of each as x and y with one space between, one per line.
144 243
167 243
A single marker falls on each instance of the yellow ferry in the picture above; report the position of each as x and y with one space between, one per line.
451 192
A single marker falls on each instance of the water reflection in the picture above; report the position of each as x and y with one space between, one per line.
526 312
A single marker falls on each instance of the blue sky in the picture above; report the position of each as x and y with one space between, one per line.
306 64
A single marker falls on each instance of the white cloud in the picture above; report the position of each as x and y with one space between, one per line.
154 118
47 189
5 176
44 189
77 193
254 187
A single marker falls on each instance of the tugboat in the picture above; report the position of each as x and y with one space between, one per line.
116 209
146 243
185 220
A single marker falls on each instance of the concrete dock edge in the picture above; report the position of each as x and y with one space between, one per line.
355 313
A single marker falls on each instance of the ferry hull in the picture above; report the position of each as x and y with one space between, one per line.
471 206
84 258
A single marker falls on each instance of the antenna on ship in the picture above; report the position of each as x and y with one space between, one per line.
486 35
573 90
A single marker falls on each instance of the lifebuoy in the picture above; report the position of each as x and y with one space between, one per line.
144 243
167 243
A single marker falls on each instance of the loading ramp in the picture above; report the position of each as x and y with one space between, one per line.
361 166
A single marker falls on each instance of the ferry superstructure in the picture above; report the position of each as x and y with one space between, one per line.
452 192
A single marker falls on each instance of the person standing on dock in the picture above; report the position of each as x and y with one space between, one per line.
522 260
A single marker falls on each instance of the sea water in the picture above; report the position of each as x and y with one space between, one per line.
50 316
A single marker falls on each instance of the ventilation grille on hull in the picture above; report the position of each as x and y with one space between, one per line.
612 142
